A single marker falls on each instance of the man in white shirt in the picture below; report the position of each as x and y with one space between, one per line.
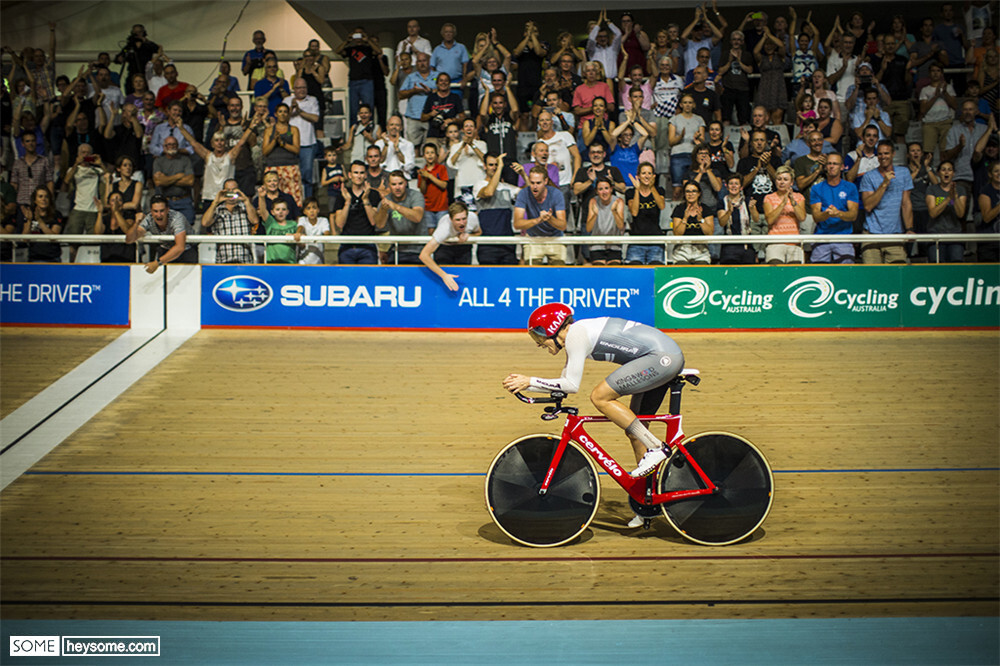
603 44
413 42
841 67
398 152
304 115
562 152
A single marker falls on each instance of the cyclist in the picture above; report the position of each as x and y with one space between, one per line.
649 359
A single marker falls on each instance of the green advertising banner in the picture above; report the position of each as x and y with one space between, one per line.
814 296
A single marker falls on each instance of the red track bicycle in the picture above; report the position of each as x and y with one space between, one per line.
715 488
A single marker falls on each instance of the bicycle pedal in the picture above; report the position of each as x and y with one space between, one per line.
647 523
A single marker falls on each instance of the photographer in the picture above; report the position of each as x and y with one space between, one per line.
253 60
361 53
441 106
138 51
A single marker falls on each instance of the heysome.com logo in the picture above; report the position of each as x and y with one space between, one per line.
242 293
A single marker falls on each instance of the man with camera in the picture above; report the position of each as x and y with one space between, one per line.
231 214
362 55
138 51
253 60
441 106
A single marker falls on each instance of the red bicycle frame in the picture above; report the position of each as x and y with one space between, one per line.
636 487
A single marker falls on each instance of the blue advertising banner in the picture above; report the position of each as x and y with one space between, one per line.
414 298
75 294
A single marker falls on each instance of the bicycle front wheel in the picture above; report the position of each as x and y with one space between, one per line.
552 519
744 496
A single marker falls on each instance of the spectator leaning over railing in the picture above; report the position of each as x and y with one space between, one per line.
457 226
161 221
885 193
231 214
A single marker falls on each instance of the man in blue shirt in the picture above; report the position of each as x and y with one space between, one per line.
449 56
253 60
415 88
834 204
540 210
885 193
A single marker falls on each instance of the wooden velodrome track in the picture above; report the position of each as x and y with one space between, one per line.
286 475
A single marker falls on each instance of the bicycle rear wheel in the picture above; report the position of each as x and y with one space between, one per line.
552 519
745 489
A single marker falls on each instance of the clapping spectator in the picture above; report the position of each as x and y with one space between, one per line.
686 129
363 133
784 211
734 75
253 60
634 43
413 43
645 202
771 94
398 152
946 206
41 217
466 157
603 43
272 87
598 127
529 59
692 218
304 113
282 143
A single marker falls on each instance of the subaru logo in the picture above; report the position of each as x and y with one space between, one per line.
242 293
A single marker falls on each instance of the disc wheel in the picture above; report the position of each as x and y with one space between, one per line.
555 518
744 496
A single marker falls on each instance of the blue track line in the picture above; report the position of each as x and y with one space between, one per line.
459 474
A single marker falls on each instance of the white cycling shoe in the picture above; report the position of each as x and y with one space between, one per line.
649 463
637 521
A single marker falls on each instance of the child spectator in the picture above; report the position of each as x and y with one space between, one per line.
433 183
276 223
311 224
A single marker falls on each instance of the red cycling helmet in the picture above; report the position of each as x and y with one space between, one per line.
546 322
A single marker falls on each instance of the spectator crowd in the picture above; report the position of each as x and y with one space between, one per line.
708 126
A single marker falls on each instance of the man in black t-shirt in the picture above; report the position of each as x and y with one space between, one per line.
358 212
441 106
758 169
361 53
500 134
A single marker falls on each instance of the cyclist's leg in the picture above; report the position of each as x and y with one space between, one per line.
605 399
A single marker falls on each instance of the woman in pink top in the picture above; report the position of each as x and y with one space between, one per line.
784 211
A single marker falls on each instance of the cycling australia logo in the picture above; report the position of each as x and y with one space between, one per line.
818 287
685 297
689 297
242 293
823 292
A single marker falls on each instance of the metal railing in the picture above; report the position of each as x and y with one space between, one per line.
797 239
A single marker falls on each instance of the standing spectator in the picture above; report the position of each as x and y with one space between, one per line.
989 206
586 178
606 217
173 90
413 43
313 69
85 179
735 218
375 175
362 134
230 213
759 169
758 122
282 143
220 162
358 213
924 52
704 175
950 35
695 36
278 223
101 83
31 172
171 128
706 101
784 211
720 149
495 204
163 221
405 216
923 176
810 168
871 115
124 134
539 158
41 217
115 220
333 174
382 71
634 43
466 157
415 89
591 88
805 60
272 87
529 58
771 93
225 70
253 60
834 203
304 112
864 158
666 44
961 141
562 152
686 129
893 72
136 54
946 206
645 202
603 44
173 176
540 211
737 64
273 194
500 135
831 128
233 126
441 106
404 67
692 218
885 193
598 128
625 156
449 56
398 153
841 66
126 183
433 183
